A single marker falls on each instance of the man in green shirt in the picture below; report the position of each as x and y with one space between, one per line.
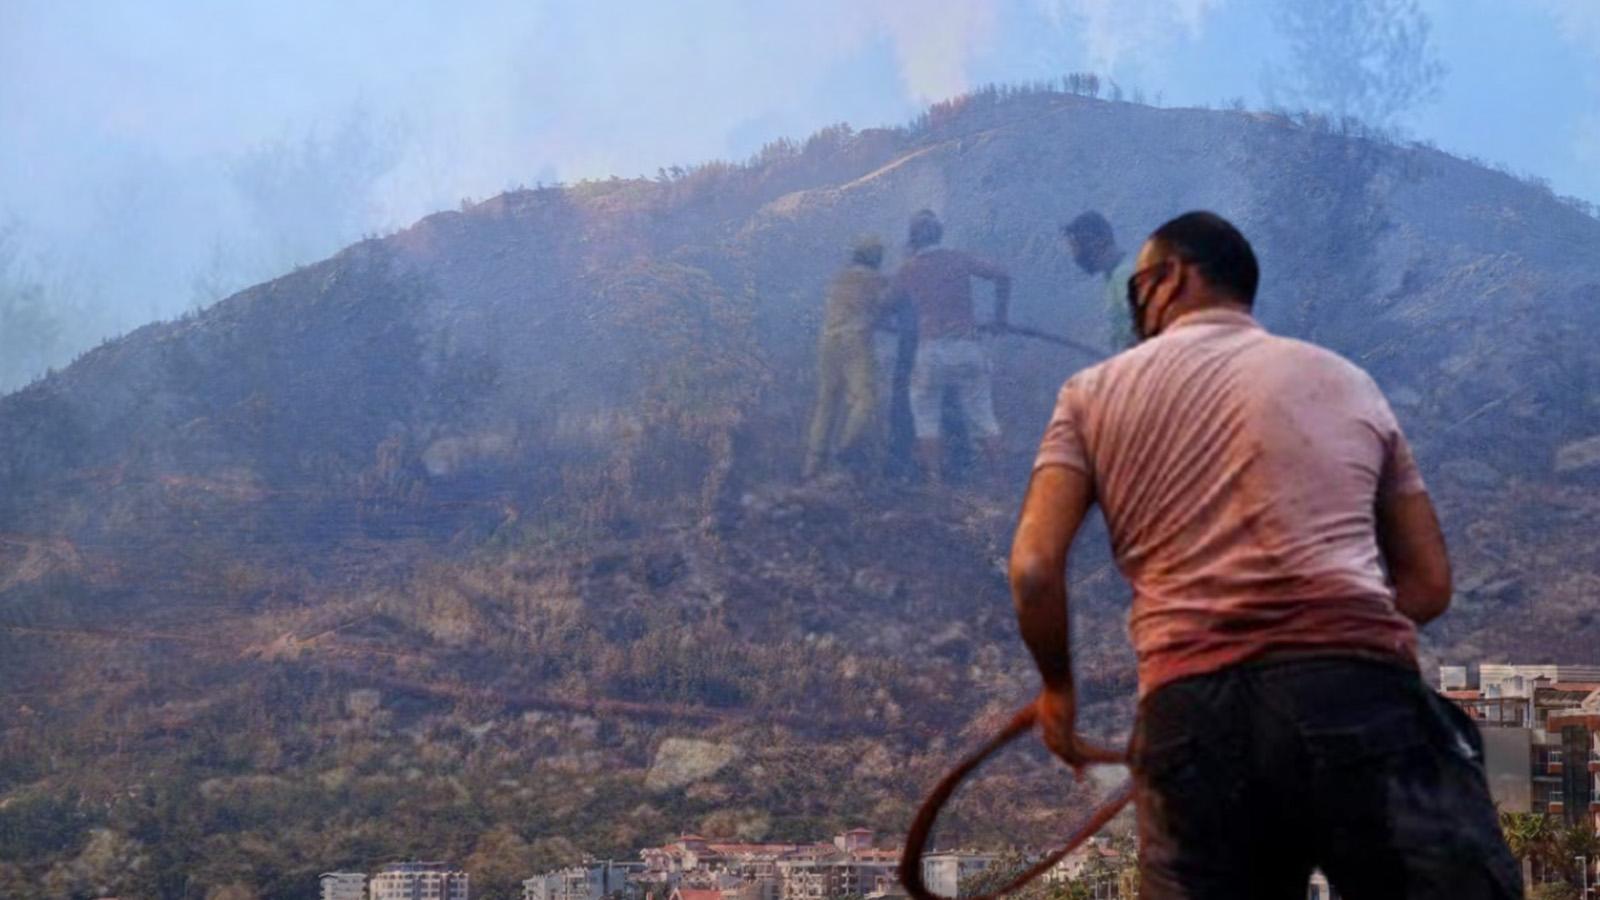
1094 248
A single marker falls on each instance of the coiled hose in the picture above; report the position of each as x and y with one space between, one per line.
922 826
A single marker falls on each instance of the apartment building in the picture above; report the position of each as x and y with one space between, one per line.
693 867
944 872
854 840
1535 720
847 866
419 881
829 871
751 869
342 886
1575 797
594 880
1096 864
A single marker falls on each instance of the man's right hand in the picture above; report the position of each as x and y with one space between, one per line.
1056 712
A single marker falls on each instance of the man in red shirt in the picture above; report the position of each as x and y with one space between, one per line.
1265 507
936 284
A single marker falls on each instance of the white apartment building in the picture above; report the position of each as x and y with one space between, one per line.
944 872
854 840
1536 734
419 881
589 881
343 885
1495 680
832 877
1096 862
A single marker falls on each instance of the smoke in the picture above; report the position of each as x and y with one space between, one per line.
1588 142
935 47
1579 22
1372 60
160 154
1579 25
1118 35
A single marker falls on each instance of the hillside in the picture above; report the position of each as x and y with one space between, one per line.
482 540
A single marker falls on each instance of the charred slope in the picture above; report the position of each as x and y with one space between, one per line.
476 540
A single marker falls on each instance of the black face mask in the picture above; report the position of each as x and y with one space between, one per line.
1137 305
1139 301
1136 335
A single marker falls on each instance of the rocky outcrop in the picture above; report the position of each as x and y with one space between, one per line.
683 761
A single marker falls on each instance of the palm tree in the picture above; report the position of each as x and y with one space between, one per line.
1532 839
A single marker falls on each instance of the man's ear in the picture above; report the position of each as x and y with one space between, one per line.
1173 281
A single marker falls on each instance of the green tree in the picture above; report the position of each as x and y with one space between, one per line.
996 876
500 859
1571 844
1553 890
1531 837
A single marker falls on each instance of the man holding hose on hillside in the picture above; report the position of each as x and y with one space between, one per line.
1265 507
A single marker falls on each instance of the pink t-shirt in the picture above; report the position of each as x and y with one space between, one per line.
1238 472
938 284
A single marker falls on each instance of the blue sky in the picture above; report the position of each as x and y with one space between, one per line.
127 122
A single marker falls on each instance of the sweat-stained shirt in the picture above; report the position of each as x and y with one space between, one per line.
1238 473
937 283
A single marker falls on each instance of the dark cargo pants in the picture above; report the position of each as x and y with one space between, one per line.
1252 776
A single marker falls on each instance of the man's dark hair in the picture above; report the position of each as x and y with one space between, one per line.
867 251
1088 227
925 230
1211 244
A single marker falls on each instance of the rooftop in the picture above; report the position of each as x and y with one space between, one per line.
417 866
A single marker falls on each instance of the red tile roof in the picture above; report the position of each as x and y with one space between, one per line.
739 847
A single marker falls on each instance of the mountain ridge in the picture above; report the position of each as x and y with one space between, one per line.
451 533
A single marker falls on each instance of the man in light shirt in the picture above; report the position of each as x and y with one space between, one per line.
1093 246
1264 505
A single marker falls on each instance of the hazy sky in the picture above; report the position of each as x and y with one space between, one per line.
130 128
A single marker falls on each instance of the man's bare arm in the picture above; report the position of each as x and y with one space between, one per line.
1002 299
1414 553
1058 498
1002 287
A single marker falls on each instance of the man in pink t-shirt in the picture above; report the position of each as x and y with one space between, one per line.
1264 505
936 285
